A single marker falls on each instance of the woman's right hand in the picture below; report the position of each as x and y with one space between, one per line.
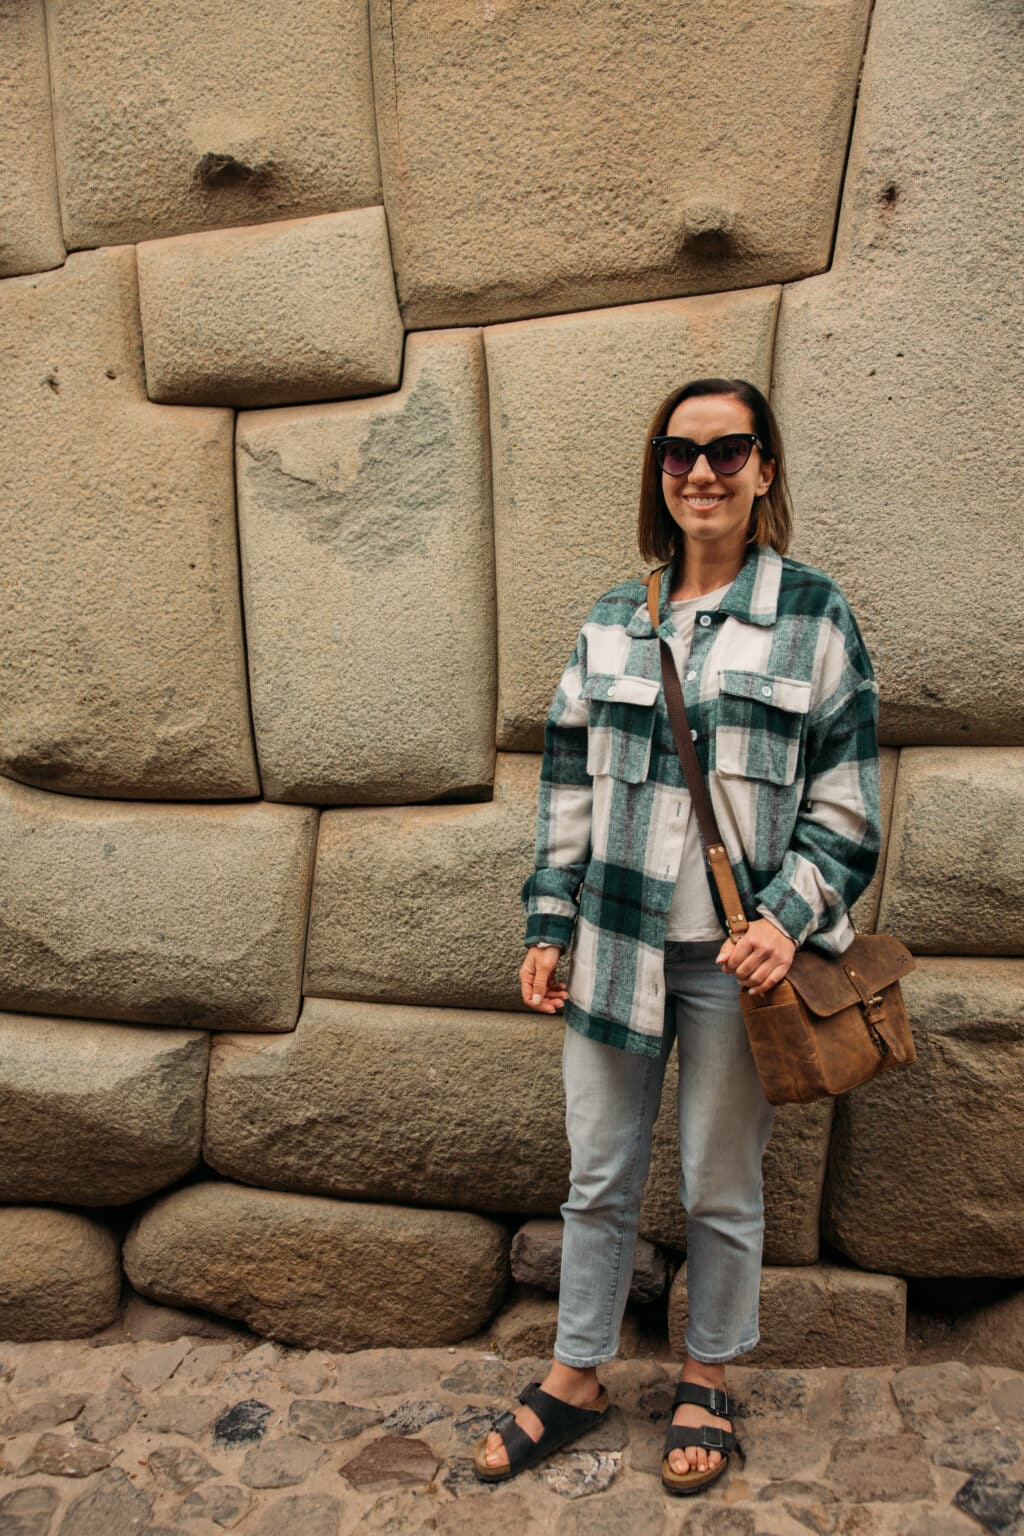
539 991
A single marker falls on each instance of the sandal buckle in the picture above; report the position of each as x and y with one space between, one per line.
713 1437
719 1401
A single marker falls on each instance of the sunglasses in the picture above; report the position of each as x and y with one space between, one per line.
725 455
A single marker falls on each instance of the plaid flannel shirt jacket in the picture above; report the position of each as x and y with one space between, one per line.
783 699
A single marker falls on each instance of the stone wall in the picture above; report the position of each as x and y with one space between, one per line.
330 332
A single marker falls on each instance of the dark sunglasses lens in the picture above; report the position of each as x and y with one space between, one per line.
728 455
677 457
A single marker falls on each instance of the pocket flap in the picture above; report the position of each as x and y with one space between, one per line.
621 688
784 692
824 986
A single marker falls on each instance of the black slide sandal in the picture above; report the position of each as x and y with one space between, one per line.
563 1423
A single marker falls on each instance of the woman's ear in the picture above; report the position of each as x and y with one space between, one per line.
767 476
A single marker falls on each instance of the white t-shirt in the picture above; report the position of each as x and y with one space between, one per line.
692 914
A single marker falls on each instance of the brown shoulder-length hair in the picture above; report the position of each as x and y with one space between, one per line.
771 518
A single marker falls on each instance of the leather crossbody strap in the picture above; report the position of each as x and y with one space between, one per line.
714 848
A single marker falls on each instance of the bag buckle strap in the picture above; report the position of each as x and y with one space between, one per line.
870 1001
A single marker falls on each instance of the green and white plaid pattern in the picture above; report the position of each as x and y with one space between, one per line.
782 695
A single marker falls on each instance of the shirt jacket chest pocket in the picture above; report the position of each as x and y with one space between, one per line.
621 724
761 726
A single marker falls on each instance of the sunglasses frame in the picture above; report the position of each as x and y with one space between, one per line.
659 445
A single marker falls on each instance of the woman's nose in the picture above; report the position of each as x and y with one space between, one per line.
701 469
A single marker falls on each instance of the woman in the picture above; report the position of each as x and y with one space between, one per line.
781 696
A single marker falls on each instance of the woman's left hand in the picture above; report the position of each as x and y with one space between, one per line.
760 959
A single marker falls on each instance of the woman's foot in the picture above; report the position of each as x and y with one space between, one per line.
694 1458
581 1388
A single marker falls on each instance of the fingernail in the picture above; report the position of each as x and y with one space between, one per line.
536 997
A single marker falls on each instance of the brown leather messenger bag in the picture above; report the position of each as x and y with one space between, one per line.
834 1021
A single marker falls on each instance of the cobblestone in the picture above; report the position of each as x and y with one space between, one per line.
382 1441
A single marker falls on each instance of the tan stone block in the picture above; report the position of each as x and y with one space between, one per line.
369 585
954 879
865 909
555 157
571 401
910 337
994 1333
302 309
205 118
793 1172
97 1114
926 1165
122 662
819 1314
59 1274
420 904
469 1112
32 239
528 1322
536 1258
166 914
321 1273
313 1111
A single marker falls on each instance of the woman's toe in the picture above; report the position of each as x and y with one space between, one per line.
494 1454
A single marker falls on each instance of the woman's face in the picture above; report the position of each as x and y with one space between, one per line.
714 509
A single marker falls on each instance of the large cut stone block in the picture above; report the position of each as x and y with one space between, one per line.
424 1105
303 309
571 401
927 1162
177 119
321 1273
539 158
912 336
122 662
60 1277
165 914
954 879
793 1173
367 559
31 238
448 1107
536 1258
97 1114
818 1315
399 893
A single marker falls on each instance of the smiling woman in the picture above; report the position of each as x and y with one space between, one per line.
780 695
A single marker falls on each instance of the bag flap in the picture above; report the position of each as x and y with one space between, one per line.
621 688
790 693
824 985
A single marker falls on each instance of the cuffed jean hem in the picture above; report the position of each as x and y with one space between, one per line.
741 1349
584 1365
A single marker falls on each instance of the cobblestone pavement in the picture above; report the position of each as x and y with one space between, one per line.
107 1437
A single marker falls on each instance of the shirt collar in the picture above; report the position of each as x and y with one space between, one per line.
753 596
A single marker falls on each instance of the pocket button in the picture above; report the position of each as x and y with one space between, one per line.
767 692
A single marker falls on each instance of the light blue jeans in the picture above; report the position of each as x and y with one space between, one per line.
612 1098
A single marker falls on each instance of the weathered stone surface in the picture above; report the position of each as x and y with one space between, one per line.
97 1114
321 1419
32 238
168 914
41 1413
225 1503
409 1418
563 393
64 1455
186 121
59 1274
528 1322
185 1413
301 309
279 1463
242 1424
309 1271
352 515
895 326
108 1415
312 1514
793 1172
640 1513
954 882
122 664
113 1506
142 1319
28 1511
530 166
995 1501
977 1450
179 1467
955 1208
397 891
937 1397
576 1474
880 1468
816 1315
995 1333
865 909
455 1119
151 1369
393 1461
536 1258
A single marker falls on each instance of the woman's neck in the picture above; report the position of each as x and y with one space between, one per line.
700 571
